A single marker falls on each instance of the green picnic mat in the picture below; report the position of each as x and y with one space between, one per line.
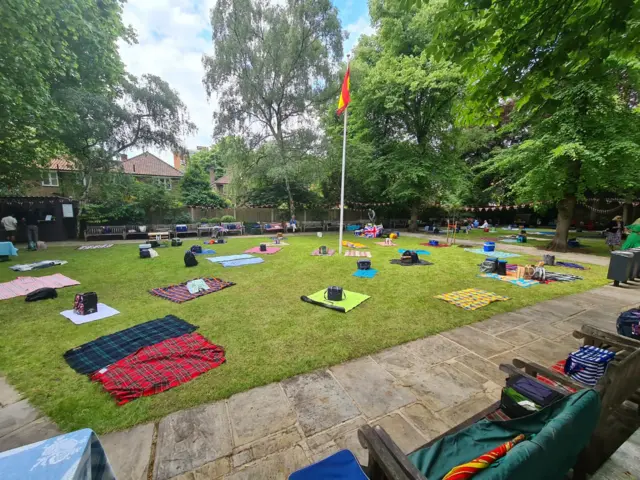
351 300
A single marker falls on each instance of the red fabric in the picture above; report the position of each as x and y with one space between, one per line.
558 368
159 367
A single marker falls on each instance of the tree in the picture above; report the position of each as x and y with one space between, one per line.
195 188
566 65
98 126
271 65
209 159
46 47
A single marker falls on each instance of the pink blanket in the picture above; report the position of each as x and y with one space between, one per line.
382 244
269 251
22 286
355 253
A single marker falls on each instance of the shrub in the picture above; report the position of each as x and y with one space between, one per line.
227 218
204 220
215 220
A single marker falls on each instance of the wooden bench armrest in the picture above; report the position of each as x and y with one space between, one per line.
386 460
593 333
533 369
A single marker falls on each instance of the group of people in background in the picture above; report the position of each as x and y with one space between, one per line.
30 220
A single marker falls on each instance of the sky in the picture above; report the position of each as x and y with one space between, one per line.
172 37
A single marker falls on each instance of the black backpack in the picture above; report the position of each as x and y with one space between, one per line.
190 259
145 253
196 249
41 294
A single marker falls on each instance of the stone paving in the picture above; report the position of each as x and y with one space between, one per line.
415 391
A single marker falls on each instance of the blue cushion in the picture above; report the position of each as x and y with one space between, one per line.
339 466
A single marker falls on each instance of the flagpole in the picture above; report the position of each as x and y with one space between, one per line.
344 158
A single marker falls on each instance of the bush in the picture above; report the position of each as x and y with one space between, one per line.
227 218
179 217
204 220
215 220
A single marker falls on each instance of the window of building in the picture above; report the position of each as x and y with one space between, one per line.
165 182
50 179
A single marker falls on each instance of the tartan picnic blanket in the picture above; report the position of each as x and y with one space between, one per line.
96 354
355 253
159 367
561 277
330 252
93 247
521 282
471 298
180 293
22 286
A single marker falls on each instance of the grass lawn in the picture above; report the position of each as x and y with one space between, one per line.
268 332
594 243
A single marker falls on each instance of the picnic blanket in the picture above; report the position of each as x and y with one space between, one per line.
471 298
439 245
495 254
351 300
330 253
156 368
397 261
22 286
366 273
561 277
94 247
96 354
521 282
104 311
355 253
180 293
419 252
27 267
205 251
229 258
353 244
270 250
571 265
281 244
382 244
243 262
509 240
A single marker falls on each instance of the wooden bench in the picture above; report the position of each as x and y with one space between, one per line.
399 223
159 235
192 229
105 231
335 224
273 227
233 227
312 225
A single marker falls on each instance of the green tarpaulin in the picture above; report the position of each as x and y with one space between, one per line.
351 300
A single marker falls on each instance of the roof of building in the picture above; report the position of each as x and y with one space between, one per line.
224 180
61 164
148 164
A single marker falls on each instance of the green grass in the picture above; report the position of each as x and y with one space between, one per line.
268 333
593 242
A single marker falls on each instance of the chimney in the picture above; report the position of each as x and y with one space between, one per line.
123 157
212 177
176 160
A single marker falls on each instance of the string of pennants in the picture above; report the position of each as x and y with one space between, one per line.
493 208
337 205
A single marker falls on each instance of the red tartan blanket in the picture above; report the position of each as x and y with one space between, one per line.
180 293
159 367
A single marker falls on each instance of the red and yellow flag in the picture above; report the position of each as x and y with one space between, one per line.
345 98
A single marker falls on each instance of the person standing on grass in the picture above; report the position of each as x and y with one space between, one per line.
31 220
614 233
10 225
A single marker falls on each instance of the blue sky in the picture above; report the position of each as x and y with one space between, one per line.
174 34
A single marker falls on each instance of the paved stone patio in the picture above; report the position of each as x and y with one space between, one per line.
415 391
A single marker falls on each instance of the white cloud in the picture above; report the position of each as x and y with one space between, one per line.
362 26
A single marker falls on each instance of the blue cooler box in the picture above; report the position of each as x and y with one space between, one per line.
489 246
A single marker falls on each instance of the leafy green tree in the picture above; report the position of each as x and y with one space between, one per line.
269 69
209 159
45 47
195 188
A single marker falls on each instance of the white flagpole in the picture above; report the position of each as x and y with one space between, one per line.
344 157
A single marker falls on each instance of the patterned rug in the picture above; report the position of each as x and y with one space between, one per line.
520 282
330 253
180 293
22 286
156 368
94 247
355 253
471 298
495 254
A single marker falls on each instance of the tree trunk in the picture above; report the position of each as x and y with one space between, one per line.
563 222
413 224
84 197
292 208
627 210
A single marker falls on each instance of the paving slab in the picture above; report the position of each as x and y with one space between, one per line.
484 367
566 306
434 349
477 341
373 389
544 352
401 432
275 443
190 439
319 401
428 423
38 430
501 323
544 330
129 451
259 412
517 337
8 394
626 295
604 320
211 471
458 414
398 361
349 441
464 370
322 438
442 386
15 416
274 467
541 313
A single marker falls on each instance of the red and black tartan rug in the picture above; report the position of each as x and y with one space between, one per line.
156 368
180 293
